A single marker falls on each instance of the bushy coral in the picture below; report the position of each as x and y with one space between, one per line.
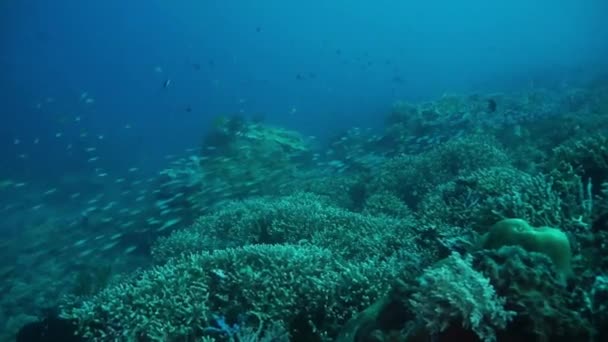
453 292
415 128
412 177
386 203
309 288
398 177
161 304
291 219
547 310
587 156
481 198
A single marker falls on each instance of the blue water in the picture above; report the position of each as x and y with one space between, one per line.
97 97
317 66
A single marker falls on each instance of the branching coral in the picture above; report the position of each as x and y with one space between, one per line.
412 177
452 292
481 198
291 219
307 287
546 309
587 156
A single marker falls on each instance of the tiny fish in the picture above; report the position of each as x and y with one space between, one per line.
109 245
169 223
152 220
50 192
116 236
85 253
80 242
127 224
90 209
109 206
130 249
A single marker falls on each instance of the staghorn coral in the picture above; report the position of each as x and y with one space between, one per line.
481 198
291 219
587 156
386 203
308 287
412 177
160 304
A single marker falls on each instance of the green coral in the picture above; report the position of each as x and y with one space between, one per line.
546 240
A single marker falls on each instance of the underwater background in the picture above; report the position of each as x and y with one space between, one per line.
303 171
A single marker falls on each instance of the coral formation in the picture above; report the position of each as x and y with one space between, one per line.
546 240
306 287
471 217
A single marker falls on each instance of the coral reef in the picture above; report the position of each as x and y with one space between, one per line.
291 219
306 287
437 227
